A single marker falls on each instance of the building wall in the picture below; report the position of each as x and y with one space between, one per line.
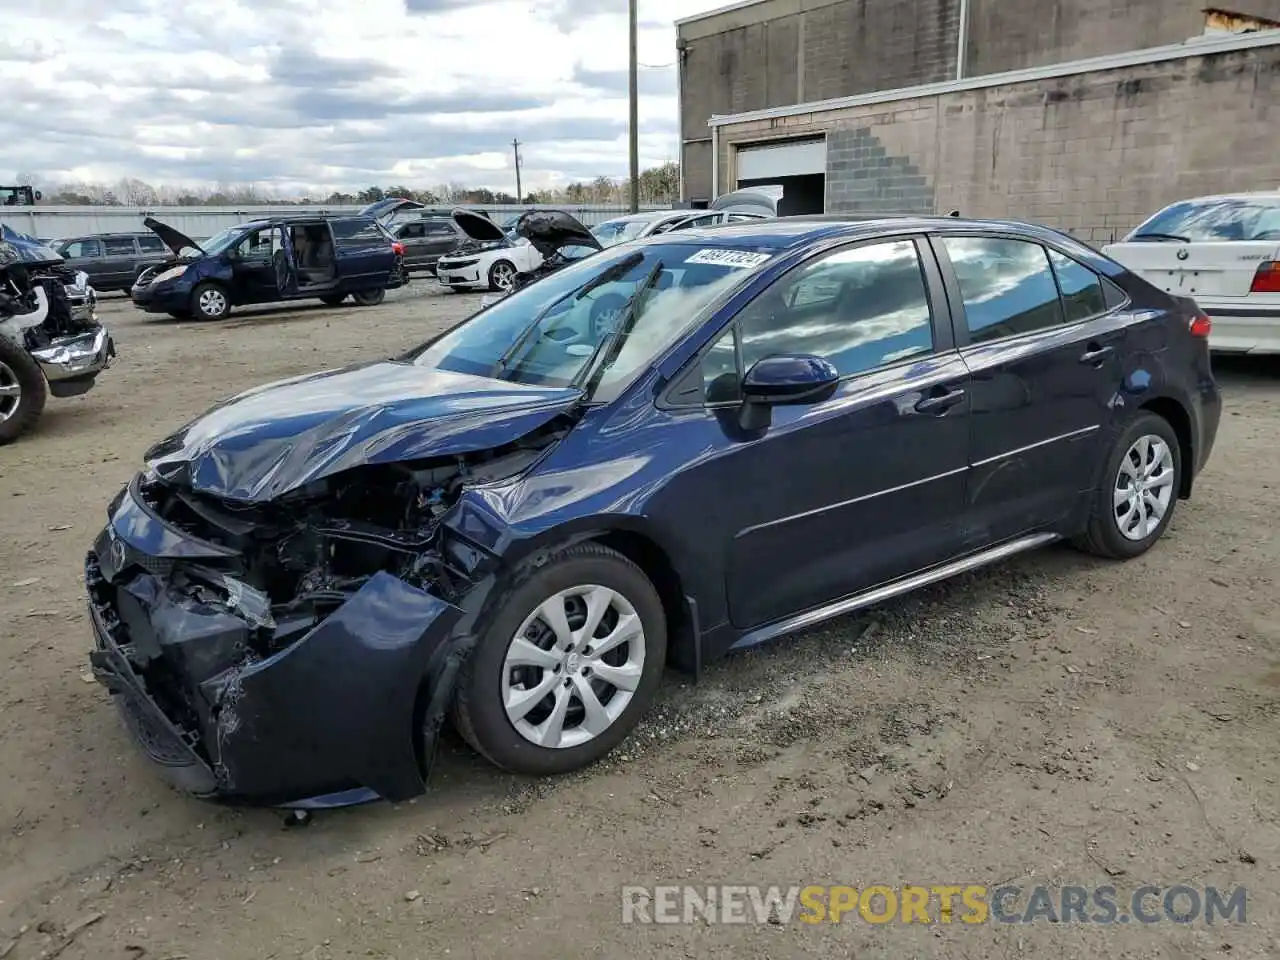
783 52
1093 154
1006 35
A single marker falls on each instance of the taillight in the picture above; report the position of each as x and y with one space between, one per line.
1267 279
398 248
1201 325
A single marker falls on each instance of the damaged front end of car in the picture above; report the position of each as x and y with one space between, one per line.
297 648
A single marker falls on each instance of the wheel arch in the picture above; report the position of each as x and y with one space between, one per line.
632 538
1176 415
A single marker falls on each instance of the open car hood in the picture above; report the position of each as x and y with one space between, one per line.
18 248
387 208
477 226
549 231
275 439
763 199
175 240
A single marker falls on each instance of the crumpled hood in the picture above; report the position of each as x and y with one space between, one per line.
269 441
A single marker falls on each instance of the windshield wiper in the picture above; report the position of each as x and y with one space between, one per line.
1160 236
604 276
610 345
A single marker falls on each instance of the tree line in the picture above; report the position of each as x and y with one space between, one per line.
658 185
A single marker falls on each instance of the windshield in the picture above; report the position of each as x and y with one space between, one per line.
223 240
612 232
557 351
1201 220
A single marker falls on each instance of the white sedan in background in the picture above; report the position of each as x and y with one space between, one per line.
490 261
1224 253
637 225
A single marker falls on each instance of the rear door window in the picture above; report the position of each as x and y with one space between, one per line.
119 246
1082 291
1007 286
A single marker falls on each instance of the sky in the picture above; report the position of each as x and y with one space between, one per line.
309 96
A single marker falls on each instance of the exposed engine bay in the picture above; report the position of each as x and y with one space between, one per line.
233 587
48 301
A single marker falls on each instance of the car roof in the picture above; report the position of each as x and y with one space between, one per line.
1247 195
648 216
305 218
781 233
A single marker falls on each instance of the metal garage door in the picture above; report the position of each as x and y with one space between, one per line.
790 159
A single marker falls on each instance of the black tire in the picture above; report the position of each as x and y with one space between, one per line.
1103 535
333 300
496 269
479 714
210 301
369 298
23 372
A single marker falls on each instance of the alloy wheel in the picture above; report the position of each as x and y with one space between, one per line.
212 303
504 276
10 392
1143 487
573 666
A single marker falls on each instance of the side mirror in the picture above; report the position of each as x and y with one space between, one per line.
795 378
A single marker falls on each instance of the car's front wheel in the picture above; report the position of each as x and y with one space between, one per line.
502 276
1139 490
566 664
22 390
209 302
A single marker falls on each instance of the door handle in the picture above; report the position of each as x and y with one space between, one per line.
1095 354
940 402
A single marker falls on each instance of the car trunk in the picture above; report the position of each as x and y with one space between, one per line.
1207 269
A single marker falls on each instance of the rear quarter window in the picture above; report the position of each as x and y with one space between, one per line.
150 245
358 229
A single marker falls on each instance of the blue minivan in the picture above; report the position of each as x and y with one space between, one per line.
272 260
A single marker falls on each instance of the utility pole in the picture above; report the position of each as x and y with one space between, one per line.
635 111
515 145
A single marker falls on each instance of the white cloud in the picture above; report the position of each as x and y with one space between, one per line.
316 95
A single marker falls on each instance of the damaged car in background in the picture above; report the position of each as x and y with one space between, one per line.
559 239
522 522
50 338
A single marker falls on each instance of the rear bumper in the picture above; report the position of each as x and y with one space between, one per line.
1238 329
337 710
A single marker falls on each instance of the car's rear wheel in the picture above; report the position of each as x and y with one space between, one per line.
566 664
369 298
22 391
1138 492
502 276
209 302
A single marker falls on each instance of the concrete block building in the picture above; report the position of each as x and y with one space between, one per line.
1082 114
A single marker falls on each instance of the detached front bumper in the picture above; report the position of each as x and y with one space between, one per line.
339 706
79 357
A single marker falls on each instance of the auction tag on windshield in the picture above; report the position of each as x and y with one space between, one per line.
737 259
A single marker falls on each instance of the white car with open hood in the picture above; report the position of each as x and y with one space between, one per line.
492 258
1223 252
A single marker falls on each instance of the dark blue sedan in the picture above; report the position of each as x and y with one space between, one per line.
666 451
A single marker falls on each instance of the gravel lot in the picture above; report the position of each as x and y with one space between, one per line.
1054 720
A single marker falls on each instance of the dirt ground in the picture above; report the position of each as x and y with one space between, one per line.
1055 720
